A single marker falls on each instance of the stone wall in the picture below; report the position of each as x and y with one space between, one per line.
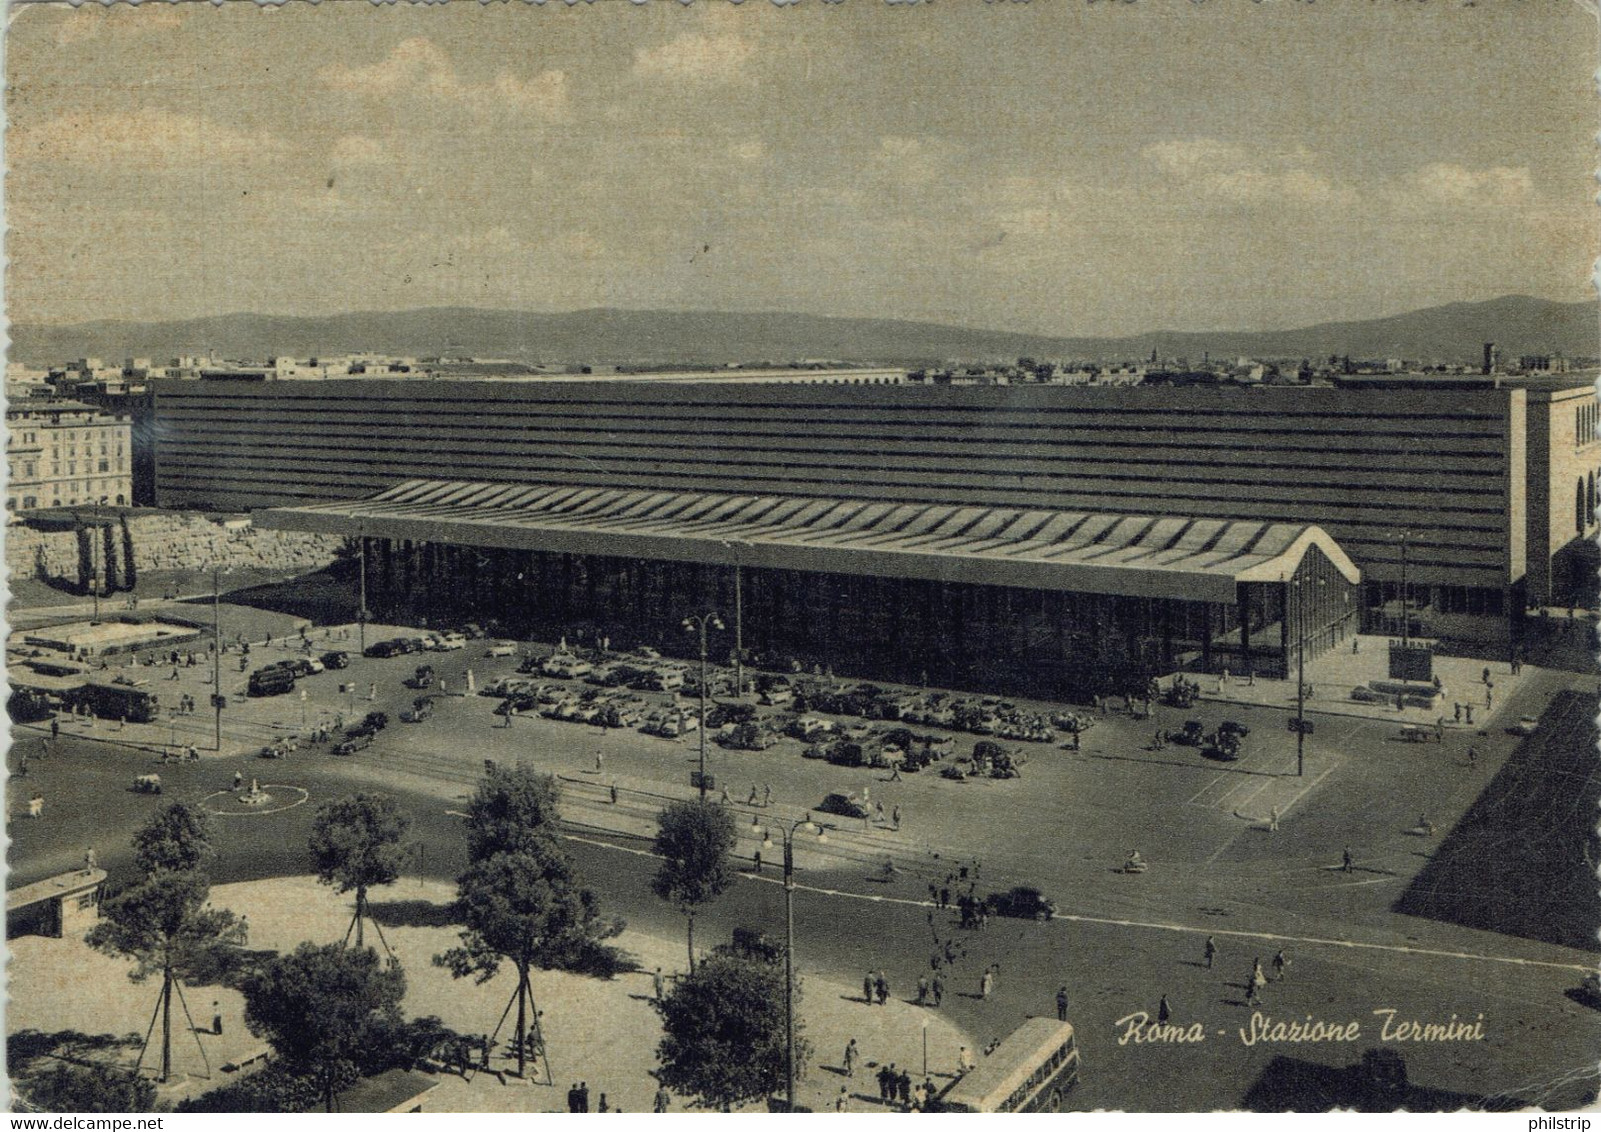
158 541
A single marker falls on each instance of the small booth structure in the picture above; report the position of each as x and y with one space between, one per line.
66 904
394 1090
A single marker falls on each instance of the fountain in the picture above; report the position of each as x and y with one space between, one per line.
255 796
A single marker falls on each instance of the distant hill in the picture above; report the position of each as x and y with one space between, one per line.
1519 324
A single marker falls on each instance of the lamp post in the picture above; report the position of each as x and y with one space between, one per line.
216 653
1406 604
787 833
702 622
1300 677
361 589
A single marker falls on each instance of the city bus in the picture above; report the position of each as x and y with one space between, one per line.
274 681
118 701
1031 1071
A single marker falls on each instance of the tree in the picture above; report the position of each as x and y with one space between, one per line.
694 840
525 907
165 926
177 838
355 844
724 1039
510 805
75 1088
321 1006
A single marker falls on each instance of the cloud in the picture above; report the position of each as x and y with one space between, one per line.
358 149
144 140
120 21
1499 185
1232 173
416 67
913 160
718 57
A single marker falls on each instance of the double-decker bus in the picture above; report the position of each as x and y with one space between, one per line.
118 701
1031 1071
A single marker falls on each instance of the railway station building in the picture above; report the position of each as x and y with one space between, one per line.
961 532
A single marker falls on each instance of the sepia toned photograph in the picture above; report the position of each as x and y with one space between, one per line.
719 557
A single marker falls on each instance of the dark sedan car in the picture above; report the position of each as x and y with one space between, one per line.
336 659
1023 903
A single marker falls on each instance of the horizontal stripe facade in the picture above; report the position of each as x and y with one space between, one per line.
1364 465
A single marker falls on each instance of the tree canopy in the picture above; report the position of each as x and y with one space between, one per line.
694 840
164 924
177 837
509 806
321 1007
356 842
526 907
724 1040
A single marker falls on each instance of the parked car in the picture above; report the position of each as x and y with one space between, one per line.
566 666
300 666
422 678
845 804
421 708
383 649
359 741
377 720
336 659
450 642
1229 727
502 648
1022 902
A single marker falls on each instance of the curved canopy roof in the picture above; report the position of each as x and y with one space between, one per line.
1081 552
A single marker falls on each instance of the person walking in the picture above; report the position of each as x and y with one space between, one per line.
867 988
937 989
572 1098
882 986
1211 951
986 982
55 729
842 1101
659 982
1473 756
583 1096
964 1061
767 796
1456 713
1164 1013
1279 963
878 813
895 818
1347 862
663 1099
1273 820
922 990
1061 1004
238 779
849 1060
903 1087
600 761
751 801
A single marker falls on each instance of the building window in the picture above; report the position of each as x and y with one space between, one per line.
105 467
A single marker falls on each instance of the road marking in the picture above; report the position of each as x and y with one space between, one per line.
1150 925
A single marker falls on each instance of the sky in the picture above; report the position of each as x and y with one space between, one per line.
1058 167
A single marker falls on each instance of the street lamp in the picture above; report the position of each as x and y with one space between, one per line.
787 833
1300 676
692 623
216 651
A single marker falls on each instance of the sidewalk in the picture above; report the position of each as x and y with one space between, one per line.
1333 675
597 1031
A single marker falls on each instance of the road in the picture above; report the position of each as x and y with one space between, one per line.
1119 941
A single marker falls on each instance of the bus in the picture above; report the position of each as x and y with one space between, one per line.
274 681
1031 1071
118 701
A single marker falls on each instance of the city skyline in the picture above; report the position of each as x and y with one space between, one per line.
1063 171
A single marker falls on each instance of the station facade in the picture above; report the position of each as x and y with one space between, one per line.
1031 601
